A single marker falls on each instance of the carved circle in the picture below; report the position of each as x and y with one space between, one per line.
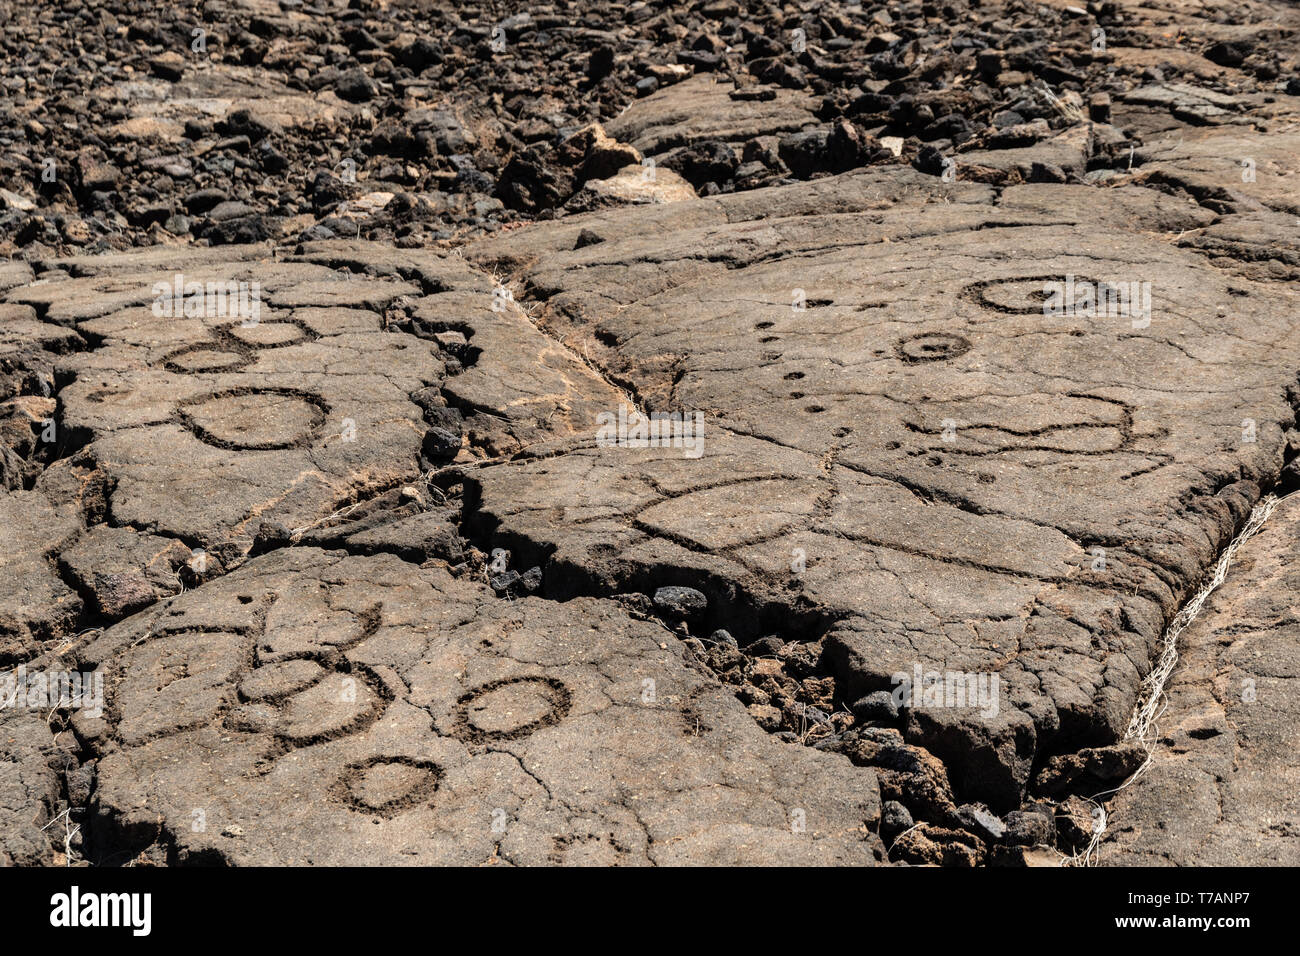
233 347
207 357
254 419
931 347
387 785
511 708
1018 295
270 333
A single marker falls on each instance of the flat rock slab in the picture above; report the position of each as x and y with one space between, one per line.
159 109
1234 168
1223 787
701 109
908 464
314 708
190 399
902 446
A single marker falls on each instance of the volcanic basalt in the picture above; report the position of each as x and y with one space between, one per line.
364 586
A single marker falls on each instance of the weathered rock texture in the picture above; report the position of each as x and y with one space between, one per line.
378 684
1223 785
318 709
367 583
889 401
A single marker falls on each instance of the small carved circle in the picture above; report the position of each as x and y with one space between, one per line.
387 785
206 358
931 347
1018 295
511 708
271 334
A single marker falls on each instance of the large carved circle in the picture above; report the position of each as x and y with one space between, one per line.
254 419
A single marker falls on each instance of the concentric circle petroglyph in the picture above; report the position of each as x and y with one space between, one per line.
1028 295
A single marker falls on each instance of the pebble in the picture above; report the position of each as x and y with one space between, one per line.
680 602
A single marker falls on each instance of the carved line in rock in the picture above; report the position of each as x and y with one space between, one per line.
492 703
254 419
238 342
979 292
413 781
248 335
190 360
358 706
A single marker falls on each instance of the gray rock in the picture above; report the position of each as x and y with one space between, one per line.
355 85
977 544
681 602
878 705
531 580
723 637
976 818
504 581
894 819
